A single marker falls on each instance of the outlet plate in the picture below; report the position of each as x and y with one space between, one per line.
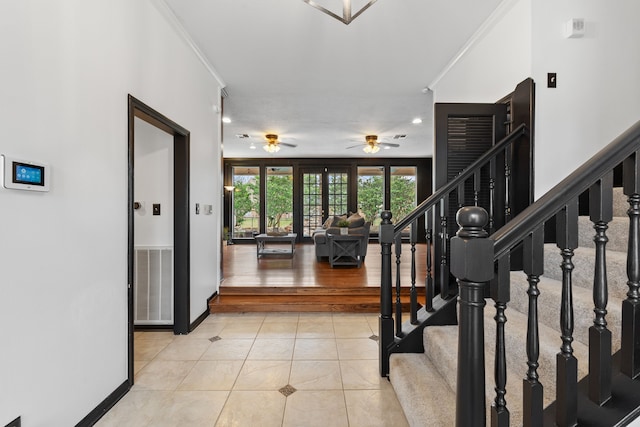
551 80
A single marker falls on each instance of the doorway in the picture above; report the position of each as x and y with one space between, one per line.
180 212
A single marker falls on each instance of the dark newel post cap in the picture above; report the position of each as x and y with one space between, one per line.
471 250
472 220
386 217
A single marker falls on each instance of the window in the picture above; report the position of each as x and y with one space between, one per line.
404 191
371 194
337 192
245 217
311 202
279 199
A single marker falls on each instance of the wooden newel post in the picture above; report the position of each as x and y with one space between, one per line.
385 321
472 264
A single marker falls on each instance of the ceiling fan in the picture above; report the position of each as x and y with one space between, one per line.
372 144
272 145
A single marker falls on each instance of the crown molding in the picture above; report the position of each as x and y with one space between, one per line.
174 22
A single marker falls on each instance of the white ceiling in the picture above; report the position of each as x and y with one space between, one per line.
293 70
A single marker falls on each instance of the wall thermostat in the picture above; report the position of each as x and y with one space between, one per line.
25 174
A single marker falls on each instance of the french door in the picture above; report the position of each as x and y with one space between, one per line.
324 192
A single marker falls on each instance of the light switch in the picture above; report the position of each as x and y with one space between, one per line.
156 208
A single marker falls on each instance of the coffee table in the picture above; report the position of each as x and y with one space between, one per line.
344 249
263 239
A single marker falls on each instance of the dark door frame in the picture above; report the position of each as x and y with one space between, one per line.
181 285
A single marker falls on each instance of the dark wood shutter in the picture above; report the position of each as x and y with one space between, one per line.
463 133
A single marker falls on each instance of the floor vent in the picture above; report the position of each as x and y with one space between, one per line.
153 286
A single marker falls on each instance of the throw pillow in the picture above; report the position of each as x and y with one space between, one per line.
336 219
355 220
327 223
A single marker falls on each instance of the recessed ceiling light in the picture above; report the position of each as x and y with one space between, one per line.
417 121
253 147
386 147
226 120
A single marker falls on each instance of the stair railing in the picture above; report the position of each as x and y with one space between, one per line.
435 209
473 254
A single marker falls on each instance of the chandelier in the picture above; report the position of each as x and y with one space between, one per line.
347 12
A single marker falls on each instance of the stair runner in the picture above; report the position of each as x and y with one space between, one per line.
425 383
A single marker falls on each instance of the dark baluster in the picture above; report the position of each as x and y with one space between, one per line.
429 285
472 264
507 184
385 322
600 212
500 294
476 187
414 292
533 391
444 242
492 195
630 351
398 320
567 364
460 194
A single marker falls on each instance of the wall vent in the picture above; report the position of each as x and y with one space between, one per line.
153 285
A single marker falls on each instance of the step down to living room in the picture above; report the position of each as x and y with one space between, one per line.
302 283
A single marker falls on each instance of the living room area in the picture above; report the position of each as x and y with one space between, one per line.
307 199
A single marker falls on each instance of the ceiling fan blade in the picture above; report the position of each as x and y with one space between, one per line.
287 144
354 146
388 144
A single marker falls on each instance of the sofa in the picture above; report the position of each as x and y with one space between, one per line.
357 225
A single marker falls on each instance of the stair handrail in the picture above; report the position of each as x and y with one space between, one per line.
389 234
431 201
476 263
568 189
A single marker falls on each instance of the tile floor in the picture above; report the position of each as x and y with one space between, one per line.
261 369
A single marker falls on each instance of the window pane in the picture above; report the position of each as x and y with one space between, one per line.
371 194
279 199
338 187
312 202
246 202
403 191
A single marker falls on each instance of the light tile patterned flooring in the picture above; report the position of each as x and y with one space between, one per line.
261 369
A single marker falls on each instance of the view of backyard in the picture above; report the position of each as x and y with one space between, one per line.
279 197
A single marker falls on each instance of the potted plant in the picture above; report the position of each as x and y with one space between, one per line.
344 226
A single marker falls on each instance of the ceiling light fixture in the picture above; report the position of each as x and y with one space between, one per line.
272 145
226 120
371 149
347 15
271 148
417 121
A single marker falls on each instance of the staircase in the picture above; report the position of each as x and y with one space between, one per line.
557 324
432 374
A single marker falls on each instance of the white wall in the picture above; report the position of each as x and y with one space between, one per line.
496 61
153 183
598 93
68 67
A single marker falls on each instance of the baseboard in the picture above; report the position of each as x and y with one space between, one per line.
204 314
105 405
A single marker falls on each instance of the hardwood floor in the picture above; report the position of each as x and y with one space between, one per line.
279 283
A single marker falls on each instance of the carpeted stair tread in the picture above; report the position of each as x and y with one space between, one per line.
444 341
617 232
422 392
582 274
620 202
549 307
